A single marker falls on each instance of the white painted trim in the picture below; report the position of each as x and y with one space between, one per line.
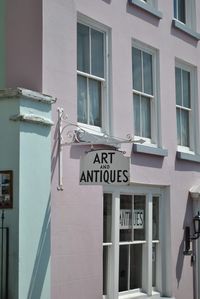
32 118
19 92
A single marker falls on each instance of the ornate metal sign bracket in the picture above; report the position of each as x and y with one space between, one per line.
70 133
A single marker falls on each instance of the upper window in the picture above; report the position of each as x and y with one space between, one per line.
184 11
144 93
185 101
91 75
179 10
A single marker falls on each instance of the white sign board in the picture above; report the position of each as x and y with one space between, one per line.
126 221
104 167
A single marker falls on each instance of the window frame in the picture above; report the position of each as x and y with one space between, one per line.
193 116
164 241
155 140
105 82
190 14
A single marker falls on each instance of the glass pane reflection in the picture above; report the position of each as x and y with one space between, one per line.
136 266
123 267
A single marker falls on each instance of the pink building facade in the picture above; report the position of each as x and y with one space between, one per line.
126 76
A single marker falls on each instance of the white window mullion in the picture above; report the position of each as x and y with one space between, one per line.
149 207
90 51
88 102
159 275
141 115
129 265
114 257
142 67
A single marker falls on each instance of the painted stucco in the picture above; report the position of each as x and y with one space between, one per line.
2 43
24 44
77 211
26 150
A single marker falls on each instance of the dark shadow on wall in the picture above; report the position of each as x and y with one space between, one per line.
107 1
184 165
147 160
42 258
180 259
141 14
183 36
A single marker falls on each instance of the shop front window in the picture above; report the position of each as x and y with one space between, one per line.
135 251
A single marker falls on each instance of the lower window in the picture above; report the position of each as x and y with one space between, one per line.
131 248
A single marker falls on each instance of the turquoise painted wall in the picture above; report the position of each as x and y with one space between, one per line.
26 149
9 151
2 43
34 212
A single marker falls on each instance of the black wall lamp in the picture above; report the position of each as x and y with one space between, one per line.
196 234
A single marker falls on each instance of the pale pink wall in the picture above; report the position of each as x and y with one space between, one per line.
77 211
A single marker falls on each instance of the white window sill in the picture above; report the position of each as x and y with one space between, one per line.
187 156
151 150
184 28
147 7
140 295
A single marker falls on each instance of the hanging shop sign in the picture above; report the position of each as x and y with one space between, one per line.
128 222
104 167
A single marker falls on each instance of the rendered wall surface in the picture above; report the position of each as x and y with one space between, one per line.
2 43
41 54
77 211
24 44
27 150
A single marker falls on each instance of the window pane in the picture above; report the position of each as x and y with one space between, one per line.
97 53
175 9
82 99
123 267
82 48
181 10
155 218
125 218
135 266
146 117
154 260
178 87
95 102
107 217
136 108
186 89
185 127
105 269
139 217
178 123
147 69
137 69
